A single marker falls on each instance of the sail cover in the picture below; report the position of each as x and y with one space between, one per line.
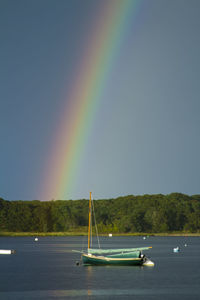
104 251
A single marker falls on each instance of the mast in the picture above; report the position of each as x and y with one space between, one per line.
89 221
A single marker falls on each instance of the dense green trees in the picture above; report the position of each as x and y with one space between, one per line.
147 213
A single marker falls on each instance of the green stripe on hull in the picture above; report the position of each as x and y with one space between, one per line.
103 260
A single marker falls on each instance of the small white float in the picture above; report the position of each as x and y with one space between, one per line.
36 239
110 235
7 251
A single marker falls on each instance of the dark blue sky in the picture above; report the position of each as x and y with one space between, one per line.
145 137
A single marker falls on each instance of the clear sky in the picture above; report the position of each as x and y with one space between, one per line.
144 137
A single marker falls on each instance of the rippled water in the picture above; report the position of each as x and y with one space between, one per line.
47 270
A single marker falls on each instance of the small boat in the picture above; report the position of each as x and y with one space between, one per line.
121 257
2 251
125 256
176 250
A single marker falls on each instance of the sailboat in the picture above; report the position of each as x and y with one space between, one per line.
127 256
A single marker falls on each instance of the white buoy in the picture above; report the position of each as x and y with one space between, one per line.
185 245
36 239
110 235
177 249
7 251
144 237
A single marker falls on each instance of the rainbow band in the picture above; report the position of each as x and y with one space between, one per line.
84 98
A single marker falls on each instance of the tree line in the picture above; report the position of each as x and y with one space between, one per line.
129 214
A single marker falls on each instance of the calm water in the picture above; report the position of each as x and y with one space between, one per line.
47 270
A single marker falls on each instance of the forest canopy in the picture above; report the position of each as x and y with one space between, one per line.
129 214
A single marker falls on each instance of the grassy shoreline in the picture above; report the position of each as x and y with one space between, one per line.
79 233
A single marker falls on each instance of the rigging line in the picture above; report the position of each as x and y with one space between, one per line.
84 241
95 224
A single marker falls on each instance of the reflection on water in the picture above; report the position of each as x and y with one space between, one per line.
60 294
89 293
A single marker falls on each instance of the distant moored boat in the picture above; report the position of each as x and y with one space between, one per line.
2 251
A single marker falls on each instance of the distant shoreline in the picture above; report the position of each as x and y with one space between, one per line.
45 234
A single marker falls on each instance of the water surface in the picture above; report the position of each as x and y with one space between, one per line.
47 270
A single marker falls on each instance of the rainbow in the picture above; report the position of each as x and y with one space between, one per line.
84 97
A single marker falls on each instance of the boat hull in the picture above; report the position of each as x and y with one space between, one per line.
104 260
